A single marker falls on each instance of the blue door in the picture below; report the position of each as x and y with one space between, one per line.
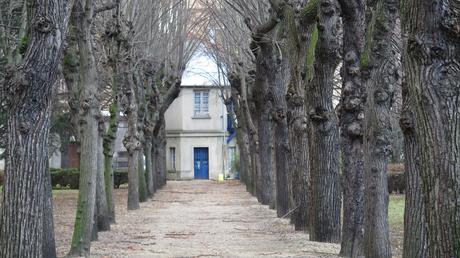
201 163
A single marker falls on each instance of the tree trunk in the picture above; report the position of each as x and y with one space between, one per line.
109 146
133 180
149 168
351 125
88 125
131 140
142 180
49 245
380 77
415 234
26 191
432 70
265 176
323 135
278 78
102 214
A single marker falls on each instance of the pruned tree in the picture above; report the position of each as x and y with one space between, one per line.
432 89
380 76
26 215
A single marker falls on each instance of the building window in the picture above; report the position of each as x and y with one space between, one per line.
201 106
172 157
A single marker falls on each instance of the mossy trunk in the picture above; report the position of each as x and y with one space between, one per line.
109 186
88 125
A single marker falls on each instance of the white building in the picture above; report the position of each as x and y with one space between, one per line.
199 144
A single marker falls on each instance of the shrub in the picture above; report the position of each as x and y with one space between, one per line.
396 179
120 177
70 178
65 178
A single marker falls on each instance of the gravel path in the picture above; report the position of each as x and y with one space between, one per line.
205 219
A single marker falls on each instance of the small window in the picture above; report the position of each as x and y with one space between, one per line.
201 105
172 157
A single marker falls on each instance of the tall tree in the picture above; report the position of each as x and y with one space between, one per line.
29 86
380 75
88 125
351 113
431 66
324 149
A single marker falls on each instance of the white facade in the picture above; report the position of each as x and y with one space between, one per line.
187 129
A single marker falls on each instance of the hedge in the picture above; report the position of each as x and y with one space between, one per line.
70 178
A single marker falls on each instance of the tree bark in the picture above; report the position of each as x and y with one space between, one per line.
278 79
109 146
149 168
88 125
380 76
49 245
131 140
264 179
26 216
323 135
415 233
351 118
102 214
142 180
432 70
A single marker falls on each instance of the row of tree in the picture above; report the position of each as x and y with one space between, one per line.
316 87
80 58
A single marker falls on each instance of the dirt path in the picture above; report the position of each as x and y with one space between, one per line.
205 219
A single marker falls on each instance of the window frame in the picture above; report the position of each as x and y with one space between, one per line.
201 107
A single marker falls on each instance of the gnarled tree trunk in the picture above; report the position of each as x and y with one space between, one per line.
432 70
88 125
351 124
380 76
324 150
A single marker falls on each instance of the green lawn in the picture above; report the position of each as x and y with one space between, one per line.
396 212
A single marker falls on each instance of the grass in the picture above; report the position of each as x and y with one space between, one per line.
396 212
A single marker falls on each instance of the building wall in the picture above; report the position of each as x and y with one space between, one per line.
185 132
180 115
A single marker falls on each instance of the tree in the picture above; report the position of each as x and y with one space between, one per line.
431 67
323 133
88 125
29 85
351 115
380 75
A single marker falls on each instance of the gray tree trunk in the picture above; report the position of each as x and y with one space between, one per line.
49 245
142 180
380 76
264 179
432 70
415 233
102 214
88 125
351 112
278 79
324 150
131 140
149 168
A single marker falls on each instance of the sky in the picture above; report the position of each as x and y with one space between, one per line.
202 70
